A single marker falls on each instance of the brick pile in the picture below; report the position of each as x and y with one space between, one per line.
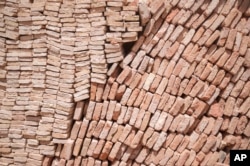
73 93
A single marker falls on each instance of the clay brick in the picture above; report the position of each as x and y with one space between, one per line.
169 69
237 88
154 103
145 121
154 118
106 150
245 106
75 130
78 111
151 141
168 154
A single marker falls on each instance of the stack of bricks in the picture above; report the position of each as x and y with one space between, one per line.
73 93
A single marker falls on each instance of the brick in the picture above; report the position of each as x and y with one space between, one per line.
212 38
245 106
169 69
139 118
168 154
116 135
227 7
154 103
75 130
162 86
161 121
231 38
178 105
237 88
200 142
146 101
145 121
106 150
154 119
147 134
151 141
199 107
78 111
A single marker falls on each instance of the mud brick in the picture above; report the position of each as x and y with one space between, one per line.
231 61
162 86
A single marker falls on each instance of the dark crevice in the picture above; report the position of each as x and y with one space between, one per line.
127 47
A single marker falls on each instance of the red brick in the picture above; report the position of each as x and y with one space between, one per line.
154 103
144 64
145 121
106 150
169 69
124 74
126 96
83 129
116 134
223 37
133 97
199 107
78 110
147 134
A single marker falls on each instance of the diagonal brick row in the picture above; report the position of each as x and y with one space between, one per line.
72 94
